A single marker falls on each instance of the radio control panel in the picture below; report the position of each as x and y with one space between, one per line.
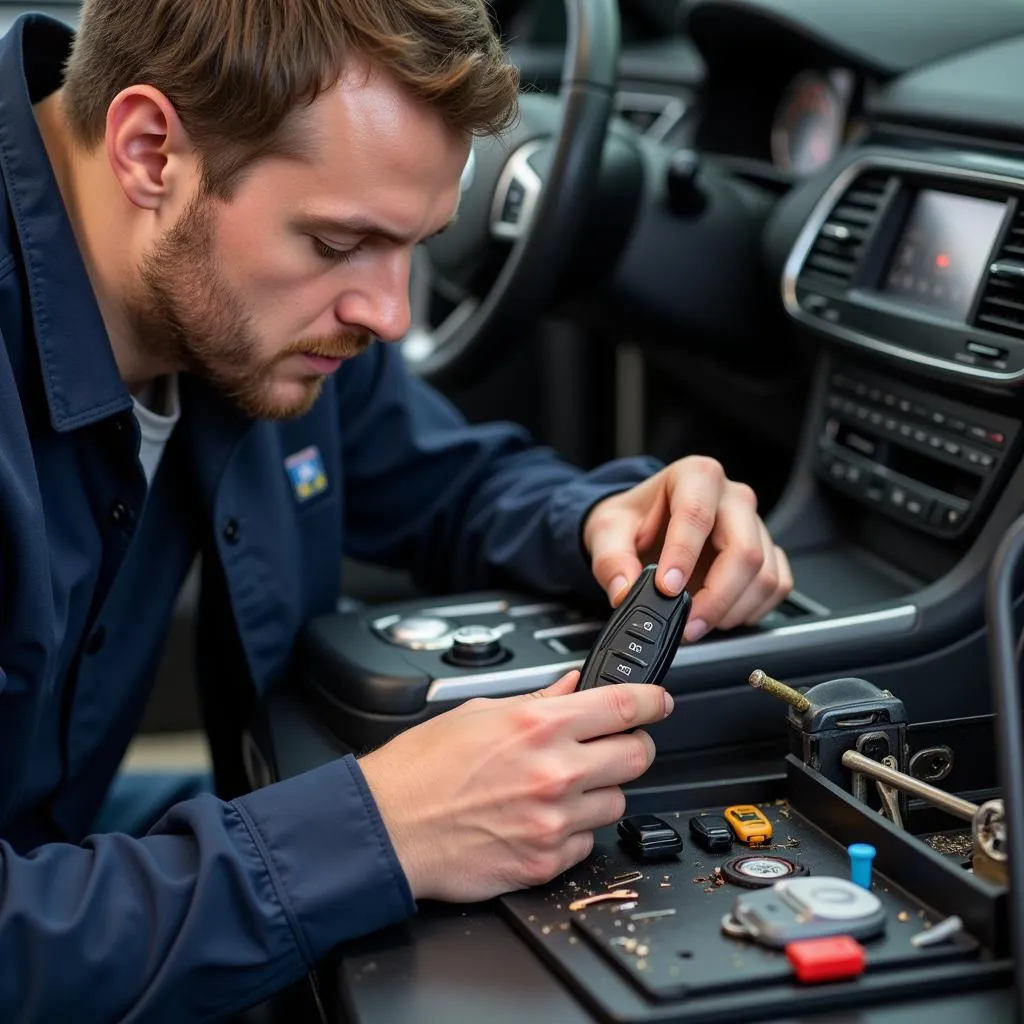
918 458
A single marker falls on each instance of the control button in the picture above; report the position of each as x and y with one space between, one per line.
904 405
956 425
475 645
938 418
986 460
835 402
860 389
921 412
906 430
853 474
996 437
633 647
891 424
620 670
862 412
646 625
918 507
512 209
875 394
977 458
951 447
946 516
849 407
986 351
898 496
921 435
889 399
876 418
875 490
935 441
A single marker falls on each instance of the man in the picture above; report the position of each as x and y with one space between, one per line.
206 220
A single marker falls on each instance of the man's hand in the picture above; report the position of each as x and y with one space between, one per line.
504 794
704 532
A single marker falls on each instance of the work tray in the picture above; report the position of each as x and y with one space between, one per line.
682 967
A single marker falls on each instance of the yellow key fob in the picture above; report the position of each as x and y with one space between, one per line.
749 824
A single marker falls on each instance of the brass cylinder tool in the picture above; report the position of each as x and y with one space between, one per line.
760 680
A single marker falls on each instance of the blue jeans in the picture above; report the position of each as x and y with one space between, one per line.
137 800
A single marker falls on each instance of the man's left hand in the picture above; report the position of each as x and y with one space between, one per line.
704 531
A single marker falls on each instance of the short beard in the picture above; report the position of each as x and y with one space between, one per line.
185 315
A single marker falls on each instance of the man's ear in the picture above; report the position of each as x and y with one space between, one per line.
148 148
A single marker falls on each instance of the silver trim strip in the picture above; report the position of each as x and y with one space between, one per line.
670 110
521 611
771 643
452 611
517 169
809 233
552 632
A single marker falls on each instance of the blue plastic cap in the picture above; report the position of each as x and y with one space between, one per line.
861 856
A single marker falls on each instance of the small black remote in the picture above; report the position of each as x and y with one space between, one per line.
640 639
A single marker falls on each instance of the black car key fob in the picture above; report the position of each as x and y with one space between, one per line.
640 639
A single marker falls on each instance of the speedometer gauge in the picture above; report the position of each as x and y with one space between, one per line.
808 126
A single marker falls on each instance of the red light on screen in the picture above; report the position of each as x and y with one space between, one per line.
942 260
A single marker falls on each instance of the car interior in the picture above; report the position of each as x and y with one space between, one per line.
787 234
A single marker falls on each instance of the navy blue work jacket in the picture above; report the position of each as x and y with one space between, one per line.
225 901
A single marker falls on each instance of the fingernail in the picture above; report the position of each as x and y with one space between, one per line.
695 629
674 581
669 703
618 585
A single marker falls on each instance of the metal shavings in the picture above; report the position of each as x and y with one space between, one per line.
902 916
564 926
641 965
666 878
628 945
572 940
618 894
532 917
933 935
546 930
643 950
628 906
630 927
643 915
953 845
710 888
626 879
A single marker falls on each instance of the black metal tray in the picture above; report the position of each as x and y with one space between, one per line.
683 968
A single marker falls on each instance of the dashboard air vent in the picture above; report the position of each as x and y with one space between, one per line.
837 250
1001 308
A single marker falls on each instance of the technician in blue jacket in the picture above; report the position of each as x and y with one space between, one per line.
208 211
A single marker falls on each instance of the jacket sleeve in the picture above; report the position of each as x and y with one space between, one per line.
221 905
461 506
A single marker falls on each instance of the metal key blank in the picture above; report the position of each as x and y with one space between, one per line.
639 641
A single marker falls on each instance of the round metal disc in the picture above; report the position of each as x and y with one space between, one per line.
760 870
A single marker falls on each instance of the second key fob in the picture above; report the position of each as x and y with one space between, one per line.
640 639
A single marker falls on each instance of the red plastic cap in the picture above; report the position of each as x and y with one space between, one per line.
831 959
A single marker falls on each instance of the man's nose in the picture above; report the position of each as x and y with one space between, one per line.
380 302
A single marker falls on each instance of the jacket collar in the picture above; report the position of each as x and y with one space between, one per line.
79 372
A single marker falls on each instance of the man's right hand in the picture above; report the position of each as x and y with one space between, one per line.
504 794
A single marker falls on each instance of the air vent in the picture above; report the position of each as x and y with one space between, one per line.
1001 309
837 250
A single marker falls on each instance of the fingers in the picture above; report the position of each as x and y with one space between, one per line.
613 549
559 688
696 494
760 592
741 557
615 760
607 710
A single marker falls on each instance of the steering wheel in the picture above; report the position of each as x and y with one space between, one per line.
528 190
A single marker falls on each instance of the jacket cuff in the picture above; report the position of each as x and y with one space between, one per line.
573 503
329 856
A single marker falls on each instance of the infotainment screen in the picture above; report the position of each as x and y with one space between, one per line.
943 252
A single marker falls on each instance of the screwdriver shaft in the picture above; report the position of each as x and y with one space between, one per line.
955 805
760 680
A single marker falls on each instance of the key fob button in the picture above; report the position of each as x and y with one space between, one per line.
633 647
645 625
622 670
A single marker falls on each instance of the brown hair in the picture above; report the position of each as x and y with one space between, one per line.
235 69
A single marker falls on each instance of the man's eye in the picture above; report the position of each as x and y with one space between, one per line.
328 252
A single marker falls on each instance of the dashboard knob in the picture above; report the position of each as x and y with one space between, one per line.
476 645
685 196
416 632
